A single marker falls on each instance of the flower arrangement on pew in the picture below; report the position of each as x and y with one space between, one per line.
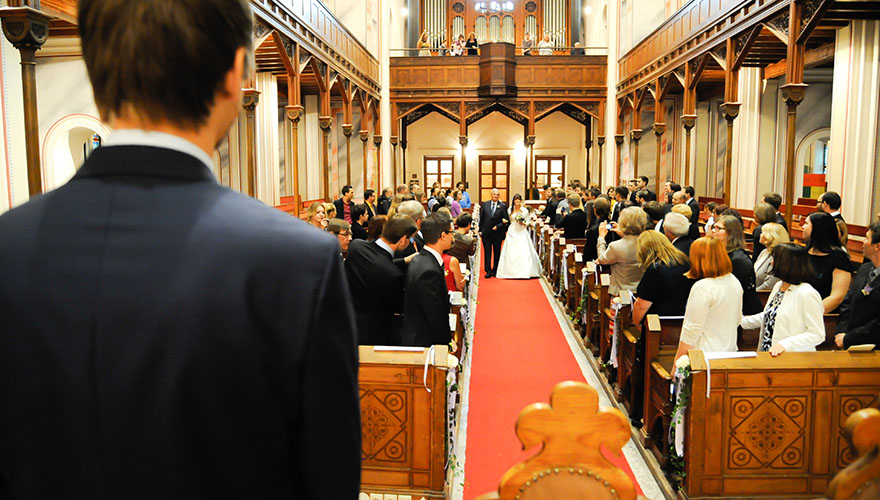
682 395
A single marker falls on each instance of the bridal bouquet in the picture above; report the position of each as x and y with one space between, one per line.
520 217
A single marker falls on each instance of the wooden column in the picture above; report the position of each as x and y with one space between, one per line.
462 139
531 137
364 134
689 117
377 142
347 127
293 114
636 133
660 88
27 30
250 98
600 140
530 144
793 93
587 144
730 109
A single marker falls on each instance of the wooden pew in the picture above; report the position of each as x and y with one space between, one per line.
661 342
569 464
403 426
631 369
571 294
597 300
773 427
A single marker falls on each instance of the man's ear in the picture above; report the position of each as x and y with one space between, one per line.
237 74
401 243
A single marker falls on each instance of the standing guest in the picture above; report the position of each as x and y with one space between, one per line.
455 204
458 46
329 211
684 209
464 244
859 322
416 212
574 225
527 44
209 349
601 213
562 207
792 319
423 45
436 194
376 282
620 194
545 46
547 192
710 207
441 203
729 231
402 189
772 235
395 203
639 184
577 50
550 207
493 228
621 254
342 230
370 202
690 193
654 211
831 264
465 201
472 45
676 228
714 306
426 301
375 227
383 204
315 216
829 202
764 214
664 288
359 221
775 200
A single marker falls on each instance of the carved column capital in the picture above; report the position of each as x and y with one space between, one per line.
618 138
463 140
635 134
393 140
364 135
688 121
659 129
588 144
24 27
600 140
324 122
530 140
793 93
346 129
294 112
730 111
377 141
250 98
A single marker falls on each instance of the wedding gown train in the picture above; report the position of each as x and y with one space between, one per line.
519 260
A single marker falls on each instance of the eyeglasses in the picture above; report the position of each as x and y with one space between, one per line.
344 233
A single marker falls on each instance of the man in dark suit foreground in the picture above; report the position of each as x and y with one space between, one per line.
574 224
376 282
426 305
494 220
163 336
859 322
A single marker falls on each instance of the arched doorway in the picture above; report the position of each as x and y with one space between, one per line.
67 145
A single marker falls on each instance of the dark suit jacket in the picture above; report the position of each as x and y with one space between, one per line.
574 225
340 208
165 337
744 271
488 220
684 243
370 212
418 243
615 212
376 285
858 312
382 205
781 220
426 303
358 232
695 211
550 210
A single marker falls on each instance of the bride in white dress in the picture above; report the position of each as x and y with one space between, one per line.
519 260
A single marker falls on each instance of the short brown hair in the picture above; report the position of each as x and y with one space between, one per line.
764 213
791 263
397 226
735 235
166 59
708 259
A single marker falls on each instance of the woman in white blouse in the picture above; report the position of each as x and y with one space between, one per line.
772 234
792 319
714 306
626 271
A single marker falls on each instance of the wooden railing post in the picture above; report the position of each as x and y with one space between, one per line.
293 114
324 122
250 99
793 93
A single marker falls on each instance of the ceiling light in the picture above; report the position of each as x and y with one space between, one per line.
404 12
588 10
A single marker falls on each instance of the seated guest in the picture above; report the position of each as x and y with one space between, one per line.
359 217
775 200
729 231
859 322
831 264
455 204
452 273
764 214
375 227
621 254
376 282
676 227
772 235
384 202
435 195
329 211
710 207
714 306
344 204
687 211
426 301
315 216
792 319
829 202
654 211
464 244
342 230
416 212
601 212
664 288
574 224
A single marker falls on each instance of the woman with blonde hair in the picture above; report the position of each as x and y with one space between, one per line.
471 45
329 211
772 234
714 306
664 288
621 254
423 45
395 202
316 216
764 214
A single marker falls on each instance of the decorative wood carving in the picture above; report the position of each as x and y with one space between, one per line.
260 30
861 480
500 108
451 107
780 23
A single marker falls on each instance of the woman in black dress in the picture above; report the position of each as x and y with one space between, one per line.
833 271
664 288
472 45
601 209
729 231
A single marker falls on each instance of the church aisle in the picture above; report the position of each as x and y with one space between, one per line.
519 354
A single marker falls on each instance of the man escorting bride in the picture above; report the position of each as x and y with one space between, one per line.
519 260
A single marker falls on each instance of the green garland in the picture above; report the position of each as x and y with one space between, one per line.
676 463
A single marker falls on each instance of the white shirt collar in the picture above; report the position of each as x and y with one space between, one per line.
436 255
835 213
657 226
137 137
385 246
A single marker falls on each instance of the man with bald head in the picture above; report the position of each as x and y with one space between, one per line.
493 228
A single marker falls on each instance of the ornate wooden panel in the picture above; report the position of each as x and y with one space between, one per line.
403 426
772 427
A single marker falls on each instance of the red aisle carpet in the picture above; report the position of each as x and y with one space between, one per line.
519 354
